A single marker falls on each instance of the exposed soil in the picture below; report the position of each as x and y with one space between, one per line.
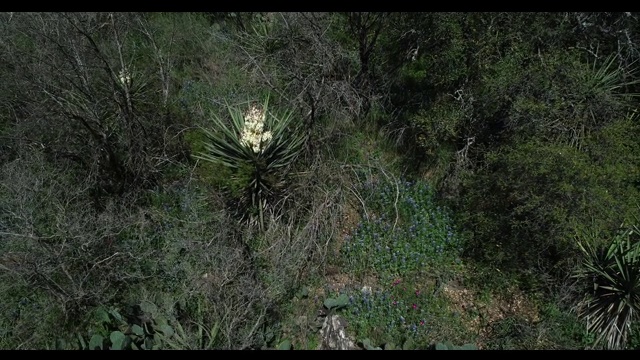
482 314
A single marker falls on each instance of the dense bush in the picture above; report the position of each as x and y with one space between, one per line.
545 195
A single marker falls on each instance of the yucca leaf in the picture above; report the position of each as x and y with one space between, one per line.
616 271
225 146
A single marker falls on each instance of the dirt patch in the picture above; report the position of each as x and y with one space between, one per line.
350 219
338 281
461 299
481 315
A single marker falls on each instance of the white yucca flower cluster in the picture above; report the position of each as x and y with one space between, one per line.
253 134
125 77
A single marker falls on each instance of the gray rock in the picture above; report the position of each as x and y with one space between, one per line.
334 336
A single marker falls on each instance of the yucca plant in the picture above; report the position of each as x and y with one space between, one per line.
257 143
612 275
609 78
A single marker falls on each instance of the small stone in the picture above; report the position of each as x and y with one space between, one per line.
334 335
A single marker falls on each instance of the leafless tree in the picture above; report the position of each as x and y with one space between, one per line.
87 77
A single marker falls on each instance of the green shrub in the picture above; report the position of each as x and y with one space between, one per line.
561 328
531 198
